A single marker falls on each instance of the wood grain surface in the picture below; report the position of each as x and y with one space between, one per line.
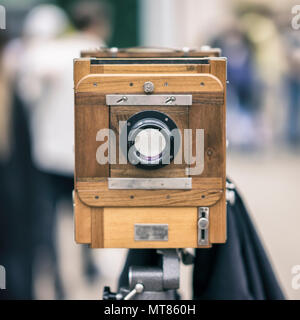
106 218
205 192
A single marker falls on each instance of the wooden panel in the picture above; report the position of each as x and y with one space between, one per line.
129 171
96 68
82 219
89 226
203 98
89 223
211 119
164 83
81 69
179 114
203 68
89 119
208 99
210 116
205 192
217 221
148 68
97 228
119 227
90 99
218 218
218 68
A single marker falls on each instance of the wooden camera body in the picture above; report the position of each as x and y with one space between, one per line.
174 205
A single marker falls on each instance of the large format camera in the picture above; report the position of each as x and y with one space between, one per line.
150 148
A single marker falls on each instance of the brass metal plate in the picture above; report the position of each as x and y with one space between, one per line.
151 232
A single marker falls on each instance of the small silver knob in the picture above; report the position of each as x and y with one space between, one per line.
148 87
203 223
139 288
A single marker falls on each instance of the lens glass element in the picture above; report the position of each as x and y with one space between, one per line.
150 143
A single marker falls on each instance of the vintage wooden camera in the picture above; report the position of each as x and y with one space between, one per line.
150 148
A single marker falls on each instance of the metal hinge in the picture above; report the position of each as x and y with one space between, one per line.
149 100
150 183
203 224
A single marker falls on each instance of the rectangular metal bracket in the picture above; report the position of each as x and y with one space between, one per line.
149 100
203 226
150 183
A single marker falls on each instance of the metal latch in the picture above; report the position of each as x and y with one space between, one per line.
203 224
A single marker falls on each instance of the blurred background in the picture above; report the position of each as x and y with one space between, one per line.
36 104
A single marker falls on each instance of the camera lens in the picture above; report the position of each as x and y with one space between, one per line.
150 139
150 144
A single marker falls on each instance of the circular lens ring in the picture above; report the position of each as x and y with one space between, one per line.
150 144
154 120
164 157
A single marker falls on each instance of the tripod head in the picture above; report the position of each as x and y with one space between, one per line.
154 283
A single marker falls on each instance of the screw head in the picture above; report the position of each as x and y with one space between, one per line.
148 87
209 152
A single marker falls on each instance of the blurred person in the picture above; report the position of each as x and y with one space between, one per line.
92 19
261 29
290 42
16 172
243 94
42 24
4 107
45 85
292 49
